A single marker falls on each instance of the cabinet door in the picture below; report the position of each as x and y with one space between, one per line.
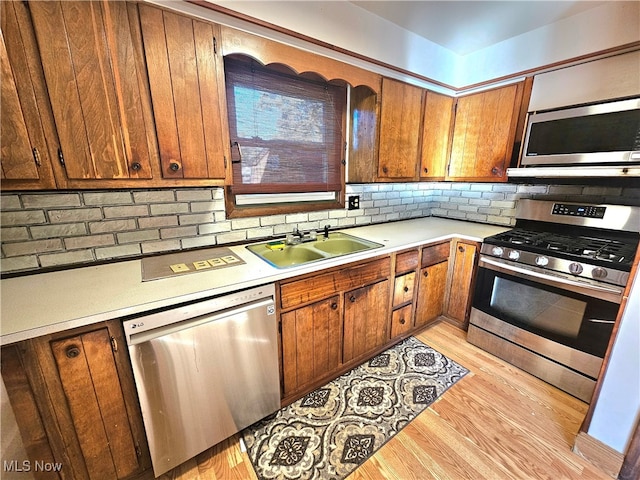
461 283
311 344
436 135
403 288
24 155
92 74
484 133
400 117
187 90
432 284
365 320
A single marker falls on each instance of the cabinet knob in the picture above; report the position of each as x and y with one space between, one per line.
352 298
72 351
385 170
426 170
334 306
174 167
495 171
406 289
460 248
426 273
135 166
402 321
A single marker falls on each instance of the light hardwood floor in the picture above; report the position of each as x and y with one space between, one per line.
496 423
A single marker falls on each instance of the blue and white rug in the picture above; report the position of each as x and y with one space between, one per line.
331 431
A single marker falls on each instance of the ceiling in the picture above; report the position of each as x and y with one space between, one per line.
467 26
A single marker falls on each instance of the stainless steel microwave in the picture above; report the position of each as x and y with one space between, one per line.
601 134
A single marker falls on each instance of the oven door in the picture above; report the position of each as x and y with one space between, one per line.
576 314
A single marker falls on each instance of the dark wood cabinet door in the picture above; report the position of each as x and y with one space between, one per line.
311 343
187 91
436 135
24 155
484 133
461 282
93 78
400 123
432 285
365 320
401 321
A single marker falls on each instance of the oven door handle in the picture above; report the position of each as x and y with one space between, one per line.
610 294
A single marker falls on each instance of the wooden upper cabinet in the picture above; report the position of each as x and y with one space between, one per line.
24 153
93 75
436 135
187 90
400 127
484 134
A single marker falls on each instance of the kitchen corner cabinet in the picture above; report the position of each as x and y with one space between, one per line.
187 90
484 134
96 84
75 402
25 158
461 282
329 321
400 127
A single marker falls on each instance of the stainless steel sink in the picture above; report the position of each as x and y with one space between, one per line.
337 244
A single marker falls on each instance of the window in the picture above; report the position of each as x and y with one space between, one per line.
287 135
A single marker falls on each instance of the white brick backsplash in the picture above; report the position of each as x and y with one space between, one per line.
118 251
106 198
17 264
26 217
75 243
111 226
65 228
51 200
13 234
61 230
154 196
33 247
66 258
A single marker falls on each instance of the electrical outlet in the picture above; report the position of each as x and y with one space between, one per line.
353 202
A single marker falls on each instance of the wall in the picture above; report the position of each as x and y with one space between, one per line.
54 229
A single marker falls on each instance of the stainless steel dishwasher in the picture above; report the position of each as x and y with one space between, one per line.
204 371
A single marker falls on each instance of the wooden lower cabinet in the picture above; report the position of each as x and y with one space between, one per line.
461 282
401 321
432 285
310 343
75 403
365 320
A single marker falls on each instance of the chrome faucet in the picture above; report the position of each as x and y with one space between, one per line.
300 237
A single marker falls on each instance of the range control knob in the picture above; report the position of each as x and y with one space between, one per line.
497 251
575 268
514 254
599 272
542 261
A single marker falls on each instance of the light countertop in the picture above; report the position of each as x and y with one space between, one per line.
45 303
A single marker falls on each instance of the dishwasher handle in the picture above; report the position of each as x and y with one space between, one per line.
146 334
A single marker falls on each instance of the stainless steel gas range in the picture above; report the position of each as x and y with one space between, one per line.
548 291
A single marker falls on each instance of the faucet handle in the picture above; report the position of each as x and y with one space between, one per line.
326 231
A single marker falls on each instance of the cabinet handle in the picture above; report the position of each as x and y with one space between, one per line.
406 289
385 170
334 306
72 351
460 248
135 166
173 166
352 298
426 170
495 171
426 273
402 321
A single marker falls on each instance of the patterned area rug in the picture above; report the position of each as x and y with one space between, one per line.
331 431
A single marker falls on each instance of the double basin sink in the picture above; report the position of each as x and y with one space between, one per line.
336 244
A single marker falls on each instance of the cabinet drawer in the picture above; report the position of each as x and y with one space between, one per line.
403 289
435 254
313 288
401 321
406 261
